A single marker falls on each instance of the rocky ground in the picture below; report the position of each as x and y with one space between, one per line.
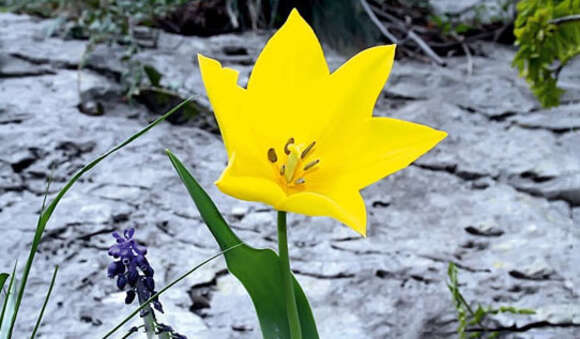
500 197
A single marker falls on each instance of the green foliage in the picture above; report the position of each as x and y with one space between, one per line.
39 320
123 22
546 44
3 277
469 318
102 20
8 306
449 25
259 270
116 21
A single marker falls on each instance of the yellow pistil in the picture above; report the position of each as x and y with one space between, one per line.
292 162
296 157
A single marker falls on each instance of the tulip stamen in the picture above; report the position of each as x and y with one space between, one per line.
294 168
288 143
272 155
308 149
311 164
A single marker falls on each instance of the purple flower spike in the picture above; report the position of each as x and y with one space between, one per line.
121 282
130 297
132 269
115 268
118 237
129 233
157 305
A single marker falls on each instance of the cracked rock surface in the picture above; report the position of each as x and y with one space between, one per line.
500 197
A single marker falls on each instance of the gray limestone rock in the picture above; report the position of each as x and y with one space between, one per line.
499 197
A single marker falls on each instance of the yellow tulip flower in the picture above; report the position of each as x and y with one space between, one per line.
304 140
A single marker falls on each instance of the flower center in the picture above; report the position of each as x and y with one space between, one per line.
297 164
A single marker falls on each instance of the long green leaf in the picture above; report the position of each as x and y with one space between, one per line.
257 269
148 301
8 305
3 277
41 314
47 213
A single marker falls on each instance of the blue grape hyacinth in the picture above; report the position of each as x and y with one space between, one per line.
132 269
135 275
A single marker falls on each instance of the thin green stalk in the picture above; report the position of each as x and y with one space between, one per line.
293 320
149 322
8 296
41 314
3 277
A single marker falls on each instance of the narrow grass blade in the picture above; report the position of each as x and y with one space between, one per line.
47 213
161 291
41 314
3 277
8 305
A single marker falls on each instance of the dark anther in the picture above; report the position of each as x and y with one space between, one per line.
288 143
272 155
311 164
305 152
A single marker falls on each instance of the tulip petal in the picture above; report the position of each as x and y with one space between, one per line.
286 83
226 99
361 79
238 133
352 91
385 146
247 182
290 59
346 206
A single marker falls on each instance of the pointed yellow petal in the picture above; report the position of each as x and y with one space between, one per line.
385 146
240 134
346 206
290 59
284 87
226 99
246 182
361 79
352 92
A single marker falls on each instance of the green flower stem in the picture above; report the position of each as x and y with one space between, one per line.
287 281
149 322
150 325
149 319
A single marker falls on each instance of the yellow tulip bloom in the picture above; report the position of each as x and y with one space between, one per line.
304 140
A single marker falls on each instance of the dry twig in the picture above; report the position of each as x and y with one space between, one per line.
377 22
403 27
569 18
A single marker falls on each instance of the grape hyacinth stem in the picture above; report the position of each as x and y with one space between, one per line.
147 314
